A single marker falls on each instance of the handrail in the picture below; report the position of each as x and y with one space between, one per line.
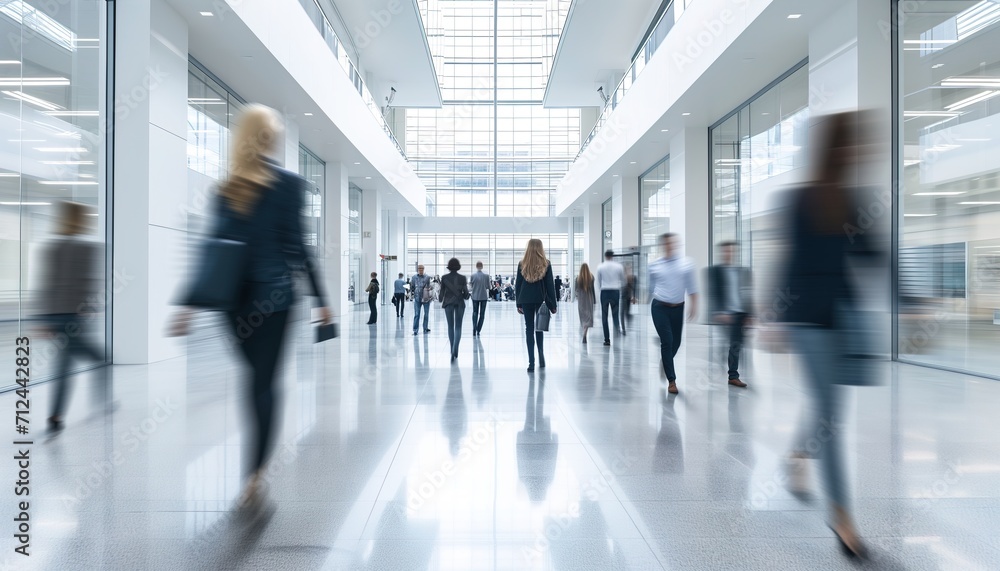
656 36
322 23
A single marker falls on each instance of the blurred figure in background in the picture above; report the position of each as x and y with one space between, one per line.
559 286
261 204
69 281
454 292
585 298
610 281
628 296
819 287
479 283
729 290
422 296
372 290
399 295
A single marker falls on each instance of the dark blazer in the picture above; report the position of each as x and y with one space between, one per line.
454 289
718 285
71 277
542 291
276 244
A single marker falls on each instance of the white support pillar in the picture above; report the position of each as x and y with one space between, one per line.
371 234
336 216
150 249
689 192
625 213
290 156
593 239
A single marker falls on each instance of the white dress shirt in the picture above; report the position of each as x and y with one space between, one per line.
610 276
671 279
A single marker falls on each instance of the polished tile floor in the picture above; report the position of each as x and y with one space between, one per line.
390 458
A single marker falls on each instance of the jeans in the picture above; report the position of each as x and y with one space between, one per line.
417 304
609 297
818 432
669 323
736 333
532 337
399 300
75 345
261 349
478 314
454 314
371 305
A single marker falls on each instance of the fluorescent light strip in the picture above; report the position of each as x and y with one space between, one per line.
61 149
33 81
918 215
929 114
73 114
44 25
955 193
980 203
68 182
9 175
9 62
47 105
930 41
67 162
25 204
977 98
987 82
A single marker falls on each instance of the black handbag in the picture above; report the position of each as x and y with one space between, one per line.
219 275
542 318
326 332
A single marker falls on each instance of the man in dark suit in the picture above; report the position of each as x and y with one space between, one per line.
730 292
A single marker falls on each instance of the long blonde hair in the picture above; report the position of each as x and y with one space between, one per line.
534 264
257 134
586 279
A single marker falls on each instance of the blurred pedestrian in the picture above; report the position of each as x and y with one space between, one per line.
671 281
372 290
534 288
479 283
422 297
729 292
260 205
70 279
610 281
559 286
399 295
628 297
585 298
454 292
818 287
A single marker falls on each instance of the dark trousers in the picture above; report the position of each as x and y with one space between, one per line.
399 300
736 333
626 308
669 323
371 305
454 314
532 337
609 297
261 344
75 345
478 315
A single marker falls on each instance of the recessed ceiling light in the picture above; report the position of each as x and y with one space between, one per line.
308 114
614 175
664 130
206 13
368 178
357 163
794 16
685 114
937 65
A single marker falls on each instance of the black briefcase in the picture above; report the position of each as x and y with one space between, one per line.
326 332
219 275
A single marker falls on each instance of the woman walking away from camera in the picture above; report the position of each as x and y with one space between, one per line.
454 292
260 205
533 288
585 299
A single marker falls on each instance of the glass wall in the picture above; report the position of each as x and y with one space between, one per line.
53 101
606 226
579 239
499 253
654 203
492 149
755 152
313 169
354 205
949 184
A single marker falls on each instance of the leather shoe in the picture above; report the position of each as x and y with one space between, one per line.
737 383
672 389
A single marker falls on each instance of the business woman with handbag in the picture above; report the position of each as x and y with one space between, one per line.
258 212
535 291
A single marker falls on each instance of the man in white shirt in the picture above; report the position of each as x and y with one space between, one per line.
610 281
671 281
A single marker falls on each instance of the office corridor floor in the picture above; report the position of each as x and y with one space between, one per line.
390 458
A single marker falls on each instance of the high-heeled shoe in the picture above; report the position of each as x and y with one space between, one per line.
859 551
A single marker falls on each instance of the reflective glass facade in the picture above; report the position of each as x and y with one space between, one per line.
949 184
53 101
492 150
654 203
499 253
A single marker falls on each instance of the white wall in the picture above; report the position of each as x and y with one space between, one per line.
625 212
335 219
689 192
